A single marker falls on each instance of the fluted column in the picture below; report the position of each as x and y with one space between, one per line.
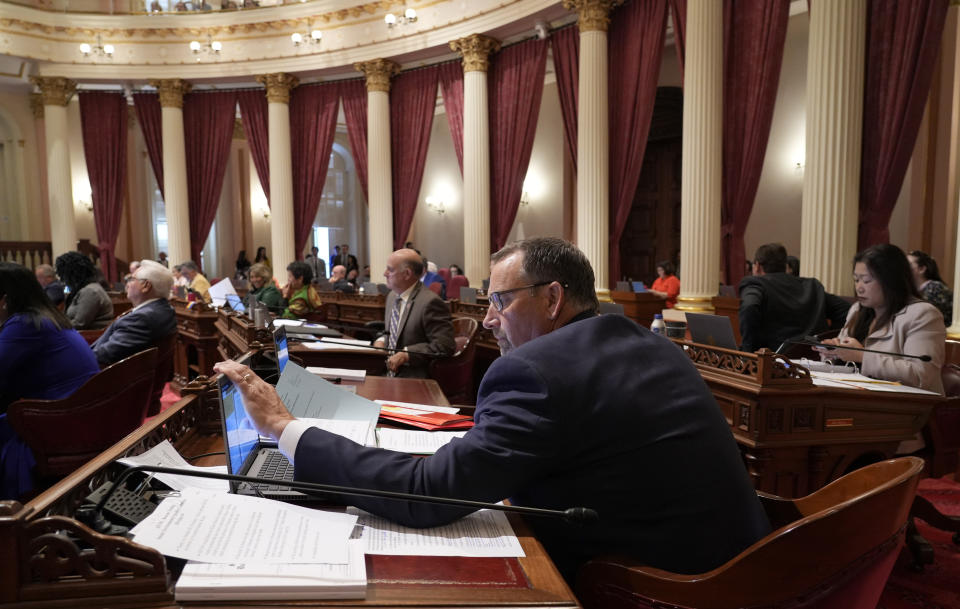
475 50
700 180
831 181
380 182
593 139
953 331
175 196
282 241
56 93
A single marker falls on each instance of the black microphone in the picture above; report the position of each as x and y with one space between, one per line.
325 339
574 515
813 342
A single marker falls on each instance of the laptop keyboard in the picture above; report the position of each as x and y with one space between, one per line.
276 467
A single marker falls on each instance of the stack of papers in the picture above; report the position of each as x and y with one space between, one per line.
343 374
415 442
424 419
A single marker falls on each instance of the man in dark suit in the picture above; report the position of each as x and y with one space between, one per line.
344 257
580 410
776 306
151 319
415 319
316 264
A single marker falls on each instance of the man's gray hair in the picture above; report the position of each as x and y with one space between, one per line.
158 275
190 265
46 270
552 259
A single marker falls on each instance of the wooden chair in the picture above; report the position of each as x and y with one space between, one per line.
455 373
91 336
834 548
163 371
64 434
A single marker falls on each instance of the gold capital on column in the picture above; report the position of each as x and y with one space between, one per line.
36 105
475 50
171 91
55 90
378 73
594 15
278 86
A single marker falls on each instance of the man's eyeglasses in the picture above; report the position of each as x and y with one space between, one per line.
496 298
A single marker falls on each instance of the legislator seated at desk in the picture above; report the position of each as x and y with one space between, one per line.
581 410
88 306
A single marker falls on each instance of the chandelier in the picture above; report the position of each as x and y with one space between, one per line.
409 16
99 49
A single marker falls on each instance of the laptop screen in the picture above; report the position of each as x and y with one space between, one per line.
238 433
235 303
280 342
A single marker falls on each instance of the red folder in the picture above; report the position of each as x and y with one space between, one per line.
424 419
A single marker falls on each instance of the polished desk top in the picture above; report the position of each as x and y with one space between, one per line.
30 573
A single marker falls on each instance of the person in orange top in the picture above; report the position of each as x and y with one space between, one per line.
666 285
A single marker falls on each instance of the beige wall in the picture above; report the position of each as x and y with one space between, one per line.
23 214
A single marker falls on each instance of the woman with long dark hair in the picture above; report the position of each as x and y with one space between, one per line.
88 306
262 257
926 276
890 316
41 357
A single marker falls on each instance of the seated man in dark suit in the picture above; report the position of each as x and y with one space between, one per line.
415 319
151 319
52 286
580 410
776 306
338 280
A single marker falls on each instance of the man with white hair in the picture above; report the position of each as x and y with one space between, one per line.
151 319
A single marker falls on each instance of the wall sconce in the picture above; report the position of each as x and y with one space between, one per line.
409 16
213 47
314 37
436 204
99 49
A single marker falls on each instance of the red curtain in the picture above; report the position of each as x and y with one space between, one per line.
678 14
413 98
208 119
754 34
149 114
354 96
451 84
903 41
565 44
636 45
313 123
103 120
516 87
253 113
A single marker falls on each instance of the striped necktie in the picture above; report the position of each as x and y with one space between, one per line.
394 323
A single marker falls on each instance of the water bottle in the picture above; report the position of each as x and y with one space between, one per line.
658 327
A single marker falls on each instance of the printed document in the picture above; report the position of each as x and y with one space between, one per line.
358 431
344 374
216 527
308 395
485 533
165 455
415 442
427 407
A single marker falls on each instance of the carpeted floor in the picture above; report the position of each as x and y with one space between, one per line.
938 587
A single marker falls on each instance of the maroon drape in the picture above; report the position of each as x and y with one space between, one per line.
103 120
253 113
678 14
566 64
636 46
516 88
354 96
313 123
149 114
413 97
754 34
208 129
451 84
903 41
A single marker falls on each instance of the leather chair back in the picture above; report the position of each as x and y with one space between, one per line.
832 549
454 374
454 285
64 434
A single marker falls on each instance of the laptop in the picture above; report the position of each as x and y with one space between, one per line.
282 352
713 330
247 454
235 304
639 287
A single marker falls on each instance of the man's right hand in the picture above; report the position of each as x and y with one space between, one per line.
263 405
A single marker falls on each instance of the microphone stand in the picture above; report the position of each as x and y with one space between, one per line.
815 343
574 515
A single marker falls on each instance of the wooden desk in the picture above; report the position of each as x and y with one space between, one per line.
353 310
639 306
796 437
196 349
41 566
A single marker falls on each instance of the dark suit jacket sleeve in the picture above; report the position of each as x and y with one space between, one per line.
837 309
125 337
437 328
515 440
751 316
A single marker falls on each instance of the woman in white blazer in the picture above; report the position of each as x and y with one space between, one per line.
890 316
